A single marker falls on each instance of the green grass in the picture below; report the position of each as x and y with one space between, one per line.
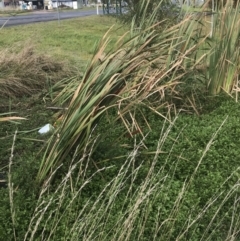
74 39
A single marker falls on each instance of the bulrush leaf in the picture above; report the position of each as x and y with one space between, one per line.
146 61
224 60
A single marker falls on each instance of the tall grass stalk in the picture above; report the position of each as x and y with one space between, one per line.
10 187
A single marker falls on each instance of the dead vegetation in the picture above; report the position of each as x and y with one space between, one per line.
26 72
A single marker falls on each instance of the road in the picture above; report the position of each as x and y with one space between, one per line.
43 16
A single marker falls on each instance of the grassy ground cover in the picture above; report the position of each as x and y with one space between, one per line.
135 171
179 156
73 40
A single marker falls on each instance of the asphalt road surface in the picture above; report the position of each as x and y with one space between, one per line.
43 16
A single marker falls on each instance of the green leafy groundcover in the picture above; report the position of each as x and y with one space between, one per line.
183 149
186 143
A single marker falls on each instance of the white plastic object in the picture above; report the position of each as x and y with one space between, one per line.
46 129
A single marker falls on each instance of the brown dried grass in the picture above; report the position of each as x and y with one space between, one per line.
26 72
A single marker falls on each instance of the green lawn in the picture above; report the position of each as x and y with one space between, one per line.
72 40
